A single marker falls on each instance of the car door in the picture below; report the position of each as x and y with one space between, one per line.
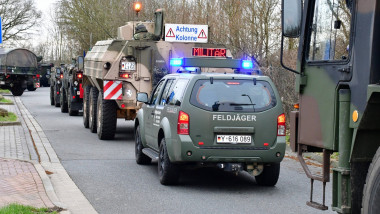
149 117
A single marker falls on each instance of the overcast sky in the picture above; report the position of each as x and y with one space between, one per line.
45 6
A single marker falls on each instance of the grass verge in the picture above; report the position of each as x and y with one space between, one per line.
5 100
5 91
10 118
16 208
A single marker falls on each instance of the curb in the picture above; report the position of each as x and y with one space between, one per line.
49 187
11 123
1 103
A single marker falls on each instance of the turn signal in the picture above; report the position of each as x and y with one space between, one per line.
137 6
296 106
183 123
281 129
126 76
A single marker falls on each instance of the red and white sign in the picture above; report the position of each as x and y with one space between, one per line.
37 84
113 90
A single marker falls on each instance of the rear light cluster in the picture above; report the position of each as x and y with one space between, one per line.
124 75
61 76
79 76
183 123
281 129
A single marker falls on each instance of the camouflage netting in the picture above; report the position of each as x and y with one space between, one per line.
3 112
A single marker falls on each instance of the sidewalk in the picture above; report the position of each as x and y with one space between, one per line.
30 171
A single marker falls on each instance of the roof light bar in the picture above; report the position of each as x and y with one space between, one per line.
247 64
176 62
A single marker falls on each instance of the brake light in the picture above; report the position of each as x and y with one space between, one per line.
281 129
61 76
79 76
183 123
38 76
126 76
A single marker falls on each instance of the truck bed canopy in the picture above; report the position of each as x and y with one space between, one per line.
17 57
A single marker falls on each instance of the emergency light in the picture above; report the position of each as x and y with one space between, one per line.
247 64
176 61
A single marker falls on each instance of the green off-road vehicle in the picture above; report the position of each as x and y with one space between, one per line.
55 85
231 121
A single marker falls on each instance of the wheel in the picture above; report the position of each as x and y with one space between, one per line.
269 176
31 88
92 109
72 112
51 95
167 171
17 90
106 118
56 97
63 100
371 192
86 103
141 158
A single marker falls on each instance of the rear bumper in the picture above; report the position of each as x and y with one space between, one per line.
178 150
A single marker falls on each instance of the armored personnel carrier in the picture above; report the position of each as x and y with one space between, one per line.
115 70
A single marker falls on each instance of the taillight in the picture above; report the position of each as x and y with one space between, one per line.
281 129
61 76
126 76
183 123
38 76
79 76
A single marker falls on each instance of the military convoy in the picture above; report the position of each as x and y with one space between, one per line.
115 70
18 70
338 83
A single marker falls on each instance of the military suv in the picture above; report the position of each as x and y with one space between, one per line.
231 121
55 85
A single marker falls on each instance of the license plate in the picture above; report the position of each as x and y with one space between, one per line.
234 139
128 66
78 92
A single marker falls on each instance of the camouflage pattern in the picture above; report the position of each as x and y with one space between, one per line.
145 36
338 102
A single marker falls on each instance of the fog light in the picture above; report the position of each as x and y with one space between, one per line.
189 153
278 154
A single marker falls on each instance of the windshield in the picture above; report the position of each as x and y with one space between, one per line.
233 95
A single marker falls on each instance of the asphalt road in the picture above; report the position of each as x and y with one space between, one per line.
107 174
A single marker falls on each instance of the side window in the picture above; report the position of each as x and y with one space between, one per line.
176 93
156 92
168 86
330 37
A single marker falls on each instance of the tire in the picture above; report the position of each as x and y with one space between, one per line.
71 111
106 118
56 100
17 90
168 172
141 158
371 192
86 103
93 109
63 101
51 95
31 88
269 176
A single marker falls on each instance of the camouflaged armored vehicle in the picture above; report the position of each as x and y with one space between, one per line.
338 83
71 98
18 70
231 121
115 70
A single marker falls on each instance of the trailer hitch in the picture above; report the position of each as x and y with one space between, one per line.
324 178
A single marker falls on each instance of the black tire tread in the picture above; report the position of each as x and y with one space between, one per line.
92 115
373 176
141 158
170 174
269 176
107 127
64 107
86 103
71 111
51 95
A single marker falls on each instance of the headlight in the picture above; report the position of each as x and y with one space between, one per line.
76 83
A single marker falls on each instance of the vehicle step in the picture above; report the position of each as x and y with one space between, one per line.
151 153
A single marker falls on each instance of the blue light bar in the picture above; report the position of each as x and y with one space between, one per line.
246 64
176 62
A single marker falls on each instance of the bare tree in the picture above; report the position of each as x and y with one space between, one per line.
18 17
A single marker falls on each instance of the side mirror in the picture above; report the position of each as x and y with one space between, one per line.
80 63
291 18
142 97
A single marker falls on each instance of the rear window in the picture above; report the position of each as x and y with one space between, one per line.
233 95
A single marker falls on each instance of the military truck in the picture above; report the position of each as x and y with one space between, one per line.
338 83
56 77
44 71
71 99
115 70
18 70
